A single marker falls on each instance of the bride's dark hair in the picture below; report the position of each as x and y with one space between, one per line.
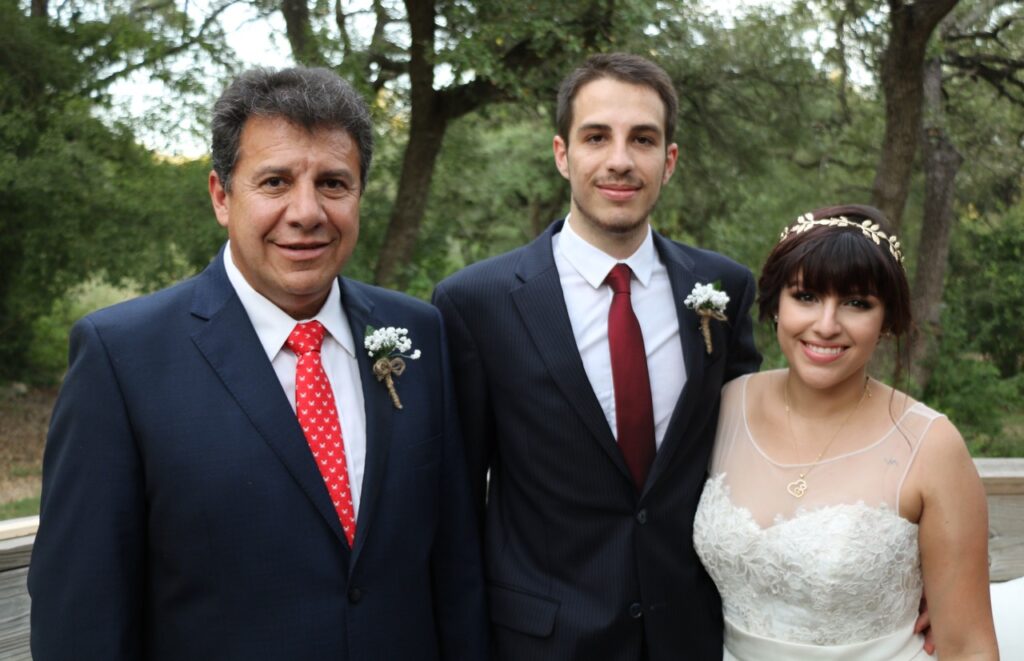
838 260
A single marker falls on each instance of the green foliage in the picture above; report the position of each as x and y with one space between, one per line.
970 391
987 284
78 197
48 353
19 508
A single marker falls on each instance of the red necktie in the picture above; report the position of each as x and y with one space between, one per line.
318 416
634 413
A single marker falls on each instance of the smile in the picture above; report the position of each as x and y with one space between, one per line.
618 193
302 251
822 354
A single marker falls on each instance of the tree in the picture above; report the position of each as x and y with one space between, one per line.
911 25
491 51
78 197
977 42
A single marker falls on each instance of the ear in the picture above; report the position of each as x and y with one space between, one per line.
220 199
561 151
671 156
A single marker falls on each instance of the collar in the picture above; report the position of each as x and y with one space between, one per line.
593 264
273 325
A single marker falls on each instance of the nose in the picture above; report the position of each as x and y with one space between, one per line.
827 323
305 206
620 159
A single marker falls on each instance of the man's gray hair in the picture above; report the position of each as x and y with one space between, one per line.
311 98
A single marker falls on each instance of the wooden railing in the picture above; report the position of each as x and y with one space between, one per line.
1003 479
1004 484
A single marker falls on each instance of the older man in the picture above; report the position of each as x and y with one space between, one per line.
227 476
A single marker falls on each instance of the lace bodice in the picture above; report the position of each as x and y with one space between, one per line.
840 568
829 576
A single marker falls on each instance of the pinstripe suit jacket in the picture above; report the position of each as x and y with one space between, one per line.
580 567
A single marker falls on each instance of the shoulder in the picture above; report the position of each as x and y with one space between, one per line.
485 275
392 307
702 260
153 310
943 464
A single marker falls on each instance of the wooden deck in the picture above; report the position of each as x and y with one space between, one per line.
1003 479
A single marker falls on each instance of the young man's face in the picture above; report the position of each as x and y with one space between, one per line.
616 161
293 210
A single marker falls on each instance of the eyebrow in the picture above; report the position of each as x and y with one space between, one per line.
344 173
637 128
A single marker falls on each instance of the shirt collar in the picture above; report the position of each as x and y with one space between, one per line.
273 325
593 264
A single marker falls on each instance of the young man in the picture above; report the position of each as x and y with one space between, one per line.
221 482
594 411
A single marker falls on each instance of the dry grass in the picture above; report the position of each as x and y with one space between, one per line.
24 416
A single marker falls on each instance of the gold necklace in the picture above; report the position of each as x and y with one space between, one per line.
798 487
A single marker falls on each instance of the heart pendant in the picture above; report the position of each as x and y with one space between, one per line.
797 488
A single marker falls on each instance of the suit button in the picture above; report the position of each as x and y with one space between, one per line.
354 595
636 611
641 517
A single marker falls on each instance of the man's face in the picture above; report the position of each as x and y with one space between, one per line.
616 162
293 211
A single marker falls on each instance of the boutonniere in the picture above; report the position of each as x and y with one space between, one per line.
387 347
709 302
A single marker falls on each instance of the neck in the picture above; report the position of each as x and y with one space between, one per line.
822 403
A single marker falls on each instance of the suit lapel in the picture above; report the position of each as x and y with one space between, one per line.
359 310
541 305
230 345
682 277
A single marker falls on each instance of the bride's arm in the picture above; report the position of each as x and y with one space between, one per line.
953 536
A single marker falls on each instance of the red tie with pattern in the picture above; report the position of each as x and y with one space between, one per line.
634 413
318 416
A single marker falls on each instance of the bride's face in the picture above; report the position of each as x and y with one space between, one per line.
828 339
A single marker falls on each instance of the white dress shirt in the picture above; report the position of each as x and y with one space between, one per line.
582 269
337 354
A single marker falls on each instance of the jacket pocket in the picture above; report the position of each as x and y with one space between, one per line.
521 611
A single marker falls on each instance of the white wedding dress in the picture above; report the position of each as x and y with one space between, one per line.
834 575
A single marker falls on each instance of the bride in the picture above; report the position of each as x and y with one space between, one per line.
833 498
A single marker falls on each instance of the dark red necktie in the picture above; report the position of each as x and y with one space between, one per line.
634 413
318 416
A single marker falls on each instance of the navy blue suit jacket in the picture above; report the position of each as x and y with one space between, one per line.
578 566
183 516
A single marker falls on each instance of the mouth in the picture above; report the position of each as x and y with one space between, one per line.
303 250
618 192
822 353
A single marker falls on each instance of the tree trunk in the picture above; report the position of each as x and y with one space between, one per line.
427 126
40 9
941 163
911 25
305 50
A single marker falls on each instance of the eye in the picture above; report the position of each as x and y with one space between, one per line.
274 182
803 295
860 302
594 139
335 184
646 140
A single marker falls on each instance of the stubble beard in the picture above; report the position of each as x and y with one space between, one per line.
615 228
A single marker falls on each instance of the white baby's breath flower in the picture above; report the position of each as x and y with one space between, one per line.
386 348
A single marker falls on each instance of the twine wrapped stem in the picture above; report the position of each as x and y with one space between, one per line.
384 369
706 315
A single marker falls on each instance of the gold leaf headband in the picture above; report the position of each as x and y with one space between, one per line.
868 228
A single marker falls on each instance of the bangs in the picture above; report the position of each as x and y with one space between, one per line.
840 262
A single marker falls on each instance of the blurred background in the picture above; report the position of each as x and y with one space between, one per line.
915 107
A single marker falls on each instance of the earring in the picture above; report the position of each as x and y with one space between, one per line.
775 318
